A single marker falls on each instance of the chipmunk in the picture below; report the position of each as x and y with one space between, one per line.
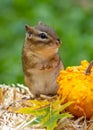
41 61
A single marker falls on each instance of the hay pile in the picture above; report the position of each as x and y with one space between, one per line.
17 96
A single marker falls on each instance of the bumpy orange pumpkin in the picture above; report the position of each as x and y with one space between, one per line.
76 85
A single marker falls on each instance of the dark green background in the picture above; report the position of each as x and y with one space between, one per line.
71 19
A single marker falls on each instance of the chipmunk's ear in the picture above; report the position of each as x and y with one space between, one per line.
41 23
29 31
28 28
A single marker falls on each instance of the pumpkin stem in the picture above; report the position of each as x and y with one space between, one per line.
88 70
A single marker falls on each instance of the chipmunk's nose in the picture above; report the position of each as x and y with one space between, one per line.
58 42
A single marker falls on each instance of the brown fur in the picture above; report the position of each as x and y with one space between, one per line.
41 62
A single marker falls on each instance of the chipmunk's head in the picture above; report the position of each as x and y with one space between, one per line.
42 36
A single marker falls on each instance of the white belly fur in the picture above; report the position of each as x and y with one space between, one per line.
44 82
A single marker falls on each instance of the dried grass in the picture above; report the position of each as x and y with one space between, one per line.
16 96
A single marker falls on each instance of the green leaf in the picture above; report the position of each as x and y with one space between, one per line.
51 122
48 114
55 115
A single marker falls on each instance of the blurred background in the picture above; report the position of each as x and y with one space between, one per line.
71 19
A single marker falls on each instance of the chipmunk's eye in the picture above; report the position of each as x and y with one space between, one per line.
58 39
43 35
